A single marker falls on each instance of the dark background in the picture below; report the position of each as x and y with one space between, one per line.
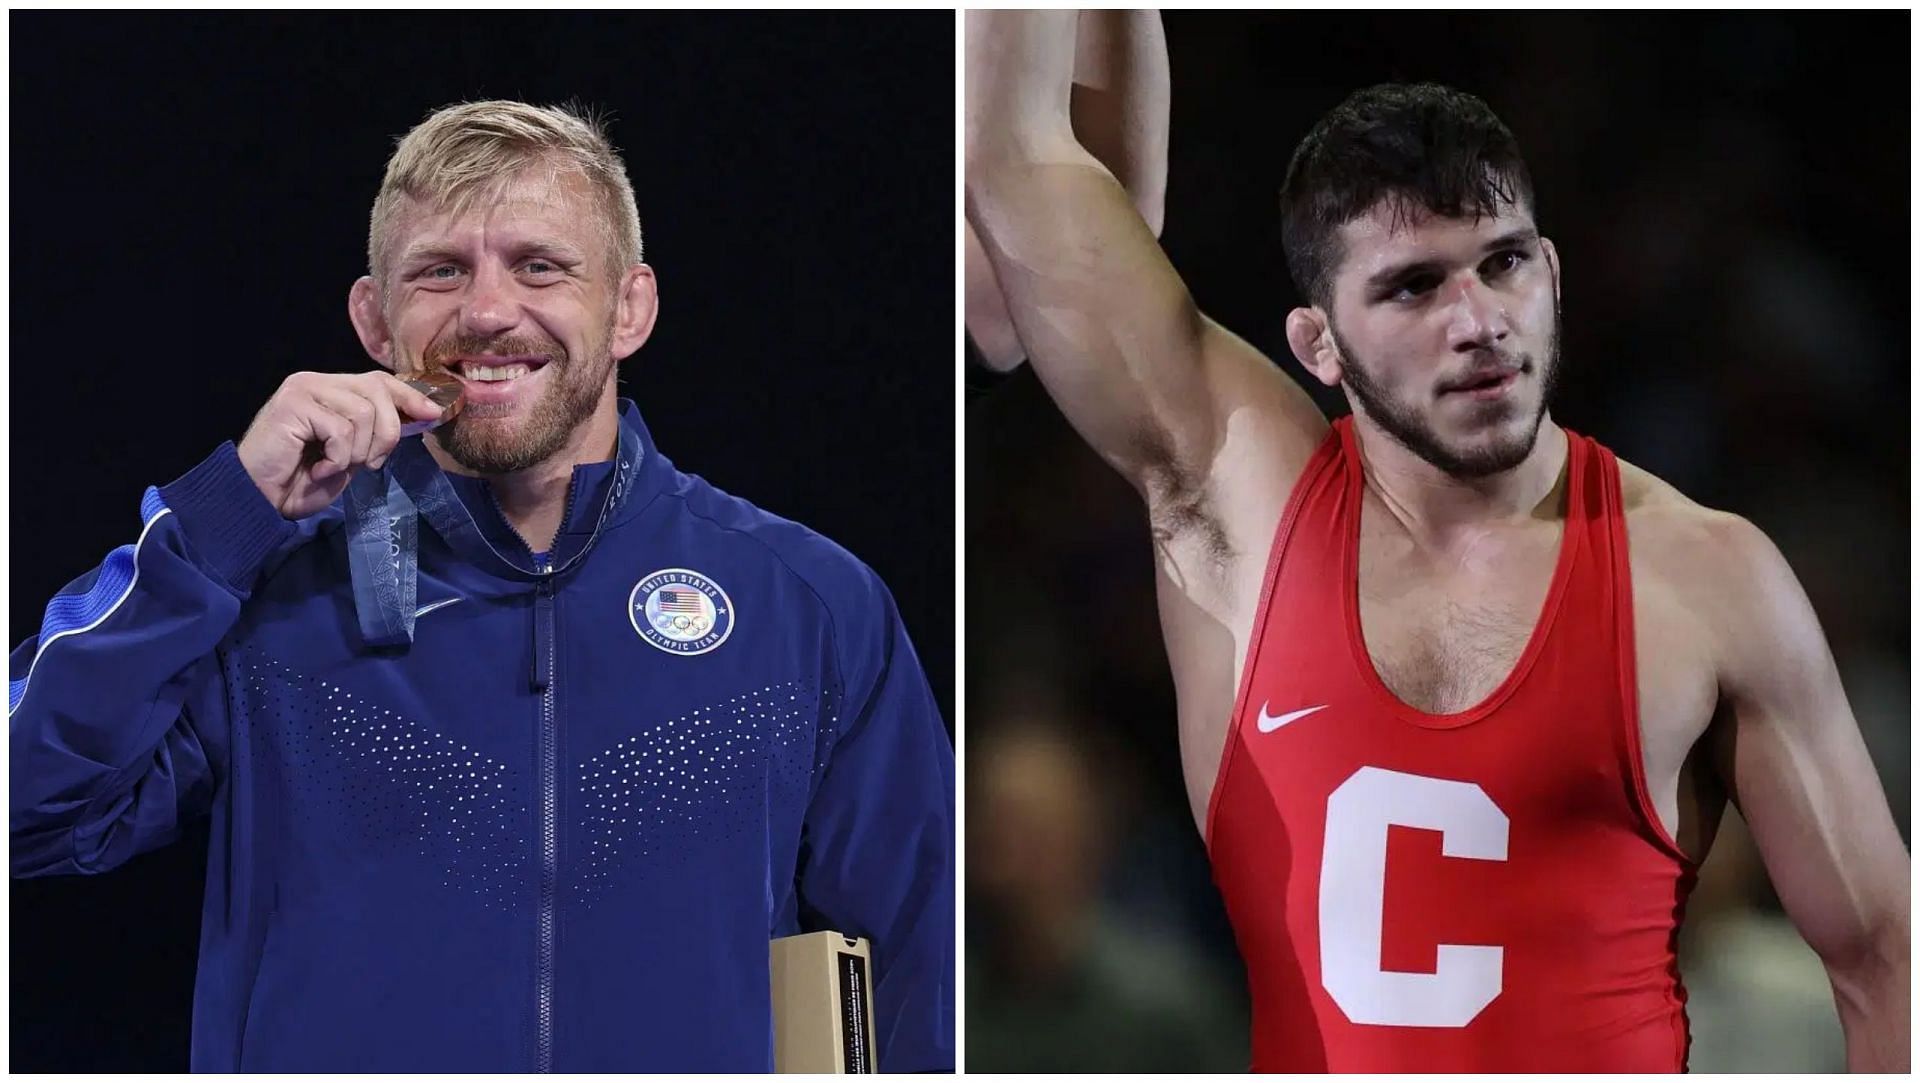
1729 195
190 204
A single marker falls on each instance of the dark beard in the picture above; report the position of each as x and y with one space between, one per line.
1405 426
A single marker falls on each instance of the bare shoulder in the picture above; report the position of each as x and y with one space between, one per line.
1717 565
1268 427
1680 537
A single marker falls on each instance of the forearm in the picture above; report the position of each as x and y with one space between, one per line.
1118 110
1872 993
1019 84
1108 325
989 324
1024 168
1121 96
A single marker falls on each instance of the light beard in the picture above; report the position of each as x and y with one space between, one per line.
489 444
1405 425
493 445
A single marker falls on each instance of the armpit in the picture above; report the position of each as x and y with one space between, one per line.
1182 511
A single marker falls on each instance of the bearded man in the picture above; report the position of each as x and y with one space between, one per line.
519 743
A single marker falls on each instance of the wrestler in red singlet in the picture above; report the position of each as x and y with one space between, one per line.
1496 889
1418 892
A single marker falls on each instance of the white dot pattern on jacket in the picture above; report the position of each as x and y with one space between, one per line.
397 780
711 774
671 788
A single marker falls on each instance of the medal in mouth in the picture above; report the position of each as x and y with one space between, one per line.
445 390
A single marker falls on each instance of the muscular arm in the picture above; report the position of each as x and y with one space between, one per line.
1147 380
1797 769
1119 102
1119 111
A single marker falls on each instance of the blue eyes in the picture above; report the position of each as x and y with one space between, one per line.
448 272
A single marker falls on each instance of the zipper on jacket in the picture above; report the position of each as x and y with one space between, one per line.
543 659
542 682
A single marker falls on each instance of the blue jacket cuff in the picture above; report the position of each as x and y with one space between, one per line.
226 517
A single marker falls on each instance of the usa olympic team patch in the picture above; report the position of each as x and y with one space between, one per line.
680 611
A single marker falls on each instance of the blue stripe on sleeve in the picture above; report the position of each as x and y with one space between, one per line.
93 597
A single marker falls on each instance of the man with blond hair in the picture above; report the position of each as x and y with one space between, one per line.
519 743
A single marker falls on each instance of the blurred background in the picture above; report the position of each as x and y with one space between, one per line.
1729 194
190 196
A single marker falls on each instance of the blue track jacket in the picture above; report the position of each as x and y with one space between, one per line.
553 832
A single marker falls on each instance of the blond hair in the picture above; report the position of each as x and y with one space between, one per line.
463 152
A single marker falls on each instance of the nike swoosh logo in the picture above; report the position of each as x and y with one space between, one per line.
425 609
1269 723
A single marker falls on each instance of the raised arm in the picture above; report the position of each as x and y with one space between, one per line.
1147 380
1119 108
1120 100
1799 772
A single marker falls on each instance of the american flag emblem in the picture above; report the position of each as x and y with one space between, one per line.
682 601
680 611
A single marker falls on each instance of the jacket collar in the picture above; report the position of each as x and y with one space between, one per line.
384 510
463 512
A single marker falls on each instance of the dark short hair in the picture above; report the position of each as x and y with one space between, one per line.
1423 146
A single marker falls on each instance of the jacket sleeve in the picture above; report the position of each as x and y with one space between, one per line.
116 710
878 842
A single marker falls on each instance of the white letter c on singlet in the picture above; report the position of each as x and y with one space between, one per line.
1353 877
